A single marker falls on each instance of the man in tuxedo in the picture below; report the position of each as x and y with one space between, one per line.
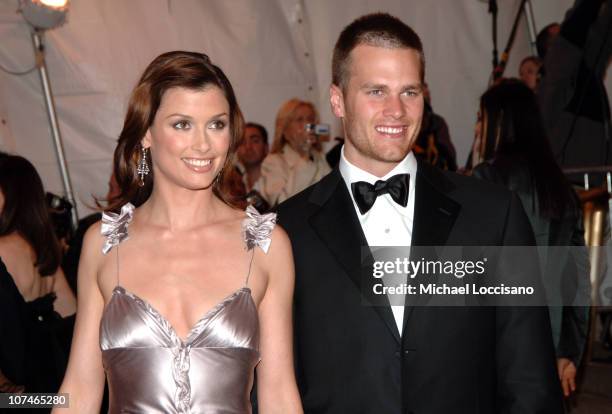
354 358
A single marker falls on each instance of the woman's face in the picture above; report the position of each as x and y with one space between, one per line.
189 137
295 132
528 72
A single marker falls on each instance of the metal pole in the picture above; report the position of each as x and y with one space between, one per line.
609 187
531 27
37 39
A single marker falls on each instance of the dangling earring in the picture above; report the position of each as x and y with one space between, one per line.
143 167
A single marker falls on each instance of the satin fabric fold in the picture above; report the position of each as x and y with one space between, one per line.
151 370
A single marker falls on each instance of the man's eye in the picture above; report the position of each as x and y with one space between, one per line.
412 92
181 125
217 124
375 92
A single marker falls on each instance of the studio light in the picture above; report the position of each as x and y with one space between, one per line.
45 14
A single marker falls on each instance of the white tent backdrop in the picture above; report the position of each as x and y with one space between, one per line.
271 50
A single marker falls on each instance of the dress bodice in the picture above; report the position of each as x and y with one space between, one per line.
151 370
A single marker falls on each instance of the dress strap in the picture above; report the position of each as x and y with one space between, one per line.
256 231
115 229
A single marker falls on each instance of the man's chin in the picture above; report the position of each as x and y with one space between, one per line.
392 155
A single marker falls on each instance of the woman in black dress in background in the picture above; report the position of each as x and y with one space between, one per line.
37 306
511 141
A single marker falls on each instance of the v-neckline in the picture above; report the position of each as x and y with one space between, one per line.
194 331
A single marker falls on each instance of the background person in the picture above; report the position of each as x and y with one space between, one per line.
529 71
38 307
251 152
572 95
517 155
295 161
433 143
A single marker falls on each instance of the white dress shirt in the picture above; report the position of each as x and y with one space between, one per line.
245 178
386 223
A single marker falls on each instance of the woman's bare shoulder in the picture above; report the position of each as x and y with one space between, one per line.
14 245
93 235
93 242
280 240
19 258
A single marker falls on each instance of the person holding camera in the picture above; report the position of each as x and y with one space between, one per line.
296 160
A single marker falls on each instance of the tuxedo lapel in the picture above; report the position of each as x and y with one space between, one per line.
337 225
434 216
434 211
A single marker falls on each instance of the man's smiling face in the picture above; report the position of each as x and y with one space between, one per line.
381 107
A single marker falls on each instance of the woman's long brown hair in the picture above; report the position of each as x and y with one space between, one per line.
25 211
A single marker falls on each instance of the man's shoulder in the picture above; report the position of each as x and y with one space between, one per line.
465 189
312 198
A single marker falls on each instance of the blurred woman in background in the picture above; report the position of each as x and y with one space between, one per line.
529 71
36 322
511 142
296 160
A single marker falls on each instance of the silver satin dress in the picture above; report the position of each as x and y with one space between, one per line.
151 370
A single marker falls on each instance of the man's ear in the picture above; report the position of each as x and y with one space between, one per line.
336 99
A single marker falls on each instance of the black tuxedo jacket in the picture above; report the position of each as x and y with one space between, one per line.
351 359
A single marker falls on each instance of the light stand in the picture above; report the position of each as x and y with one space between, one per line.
493 11
525 7
531 27
44 15
498 70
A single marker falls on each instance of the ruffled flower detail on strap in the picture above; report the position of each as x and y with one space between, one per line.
114 226
257 228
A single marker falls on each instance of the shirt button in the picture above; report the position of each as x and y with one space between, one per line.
387 230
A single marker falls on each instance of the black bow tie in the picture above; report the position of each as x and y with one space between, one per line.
365 193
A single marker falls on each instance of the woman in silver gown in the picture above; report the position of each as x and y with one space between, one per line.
180 295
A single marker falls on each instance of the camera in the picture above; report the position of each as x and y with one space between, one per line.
317 129
60 211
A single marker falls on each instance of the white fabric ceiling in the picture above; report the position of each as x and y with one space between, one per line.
271 50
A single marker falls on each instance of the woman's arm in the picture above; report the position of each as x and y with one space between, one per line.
65 304
276 387
84 379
